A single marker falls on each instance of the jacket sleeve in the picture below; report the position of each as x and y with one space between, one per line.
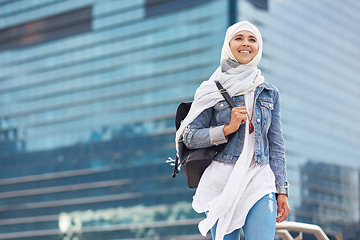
199 133
277 149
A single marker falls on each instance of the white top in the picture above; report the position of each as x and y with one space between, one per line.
228 191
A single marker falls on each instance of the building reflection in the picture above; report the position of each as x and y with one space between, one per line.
329 196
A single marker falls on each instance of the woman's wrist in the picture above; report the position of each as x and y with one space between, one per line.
227 130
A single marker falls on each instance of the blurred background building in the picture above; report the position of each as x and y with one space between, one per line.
88 91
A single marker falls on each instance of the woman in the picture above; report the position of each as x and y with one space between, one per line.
238 189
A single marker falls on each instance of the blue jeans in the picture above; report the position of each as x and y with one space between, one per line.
260 222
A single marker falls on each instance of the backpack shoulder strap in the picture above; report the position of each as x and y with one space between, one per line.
226 95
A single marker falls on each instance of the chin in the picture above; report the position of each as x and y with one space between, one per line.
244 61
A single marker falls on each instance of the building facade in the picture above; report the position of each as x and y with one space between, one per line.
88 91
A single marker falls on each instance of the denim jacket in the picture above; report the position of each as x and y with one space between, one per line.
207 130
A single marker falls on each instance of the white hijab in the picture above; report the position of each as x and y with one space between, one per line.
236 78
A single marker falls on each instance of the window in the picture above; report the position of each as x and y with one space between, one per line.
262 4
46 29
158 7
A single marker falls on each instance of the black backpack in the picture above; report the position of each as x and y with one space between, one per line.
195 161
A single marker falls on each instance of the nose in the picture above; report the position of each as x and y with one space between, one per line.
245 44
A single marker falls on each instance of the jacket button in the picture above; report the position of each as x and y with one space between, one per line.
258 141
258 120
258 161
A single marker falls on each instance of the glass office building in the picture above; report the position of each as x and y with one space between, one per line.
88 91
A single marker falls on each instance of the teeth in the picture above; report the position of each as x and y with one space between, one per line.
244 51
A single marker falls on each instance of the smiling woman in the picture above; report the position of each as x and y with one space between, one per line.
249 174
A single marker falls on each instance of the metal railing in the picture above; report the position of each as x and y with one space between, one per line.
282 230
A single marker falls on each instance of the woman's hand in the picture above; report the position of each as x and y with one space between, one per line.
238 117
283 208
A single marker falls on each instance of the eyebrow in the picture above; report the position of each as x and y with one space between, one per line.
241 35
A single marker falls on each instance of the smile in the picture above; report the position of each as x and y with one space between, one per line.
244 51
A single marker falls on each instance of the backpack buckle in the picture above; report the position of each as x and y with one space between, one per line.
222 91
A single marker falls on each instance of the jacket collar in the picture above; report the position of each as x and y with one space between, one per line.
263 86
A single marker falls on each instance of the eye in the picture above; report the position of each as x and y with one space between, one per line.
238 38
252 40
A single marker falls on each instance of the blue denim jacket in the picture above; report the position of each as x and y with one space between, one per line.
207 130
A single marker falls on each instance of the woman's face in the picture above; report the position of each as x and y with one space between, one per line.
244 46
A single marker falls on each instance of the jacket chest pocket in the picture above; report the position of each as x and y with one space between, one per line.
266 107
222 113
